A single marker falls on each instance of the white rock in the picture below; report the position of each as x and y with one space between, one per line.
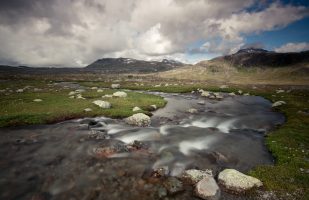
72 93
236 181
87 109
232 94
107 96
120 94
80 91
99 90
115 86
79 96
218 95
20 90
192 111
194 175
37 100
279 91
246 94
278 103
240 92
136 109
94 88
139 119
154 106
71 97
205 93
201 102
102 104
207 189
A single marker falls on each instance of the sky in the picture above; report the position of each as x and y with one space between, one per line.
75 33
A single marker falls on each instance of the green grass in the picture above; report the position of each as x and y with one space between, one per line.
20 109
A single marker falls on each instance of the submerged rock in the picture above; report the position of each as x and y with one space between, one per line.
193 176
120 94
237 182
201 102
139 119
207 188
102 104
192 111
173 185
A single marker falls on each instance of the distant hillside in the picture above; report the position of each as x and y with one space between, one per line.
128 65
260 58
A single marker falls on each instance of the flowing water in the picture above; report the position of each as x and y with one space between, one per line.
104 158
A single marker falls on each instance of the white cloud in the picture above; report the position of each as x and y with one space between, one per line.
293 47
77 32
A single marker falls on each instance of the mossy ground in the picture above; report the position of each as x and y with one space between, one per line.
20 109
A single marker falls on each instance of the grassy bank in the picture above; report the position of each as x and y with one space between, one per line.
20 109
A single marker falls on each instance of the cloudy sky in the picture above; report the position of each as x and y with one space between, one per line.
74 33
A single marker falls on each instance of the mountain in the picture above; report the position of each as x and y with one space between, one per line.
128 65
261 58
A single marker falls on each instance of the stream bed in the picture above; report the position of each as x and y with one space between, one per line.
102 158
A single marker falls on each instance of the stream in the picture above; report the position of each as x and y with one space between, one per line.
103 158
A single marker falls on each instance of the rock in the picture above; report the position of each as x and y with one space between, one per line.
246 94
207 189
80 91
278 103
201 102
120 94
194 175
162 192
173 185
139 145
279 91
154 106
87 109
72 93
37 100
192 111
139 119
239 92
20 90
232 94
136 109
79 96
237 182
71 97
205 93
102 104
115 86
218 96
107 96
94 88
160 172
99 90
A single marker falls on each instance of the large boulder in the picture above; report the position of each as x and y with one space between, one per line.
139 119
120 94
208 189
237 182
102 104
